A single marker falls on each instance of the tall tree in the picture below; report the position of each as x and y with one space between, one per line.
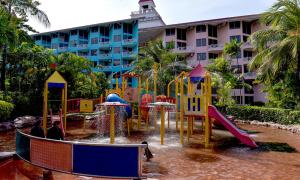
233 49
16 13
278 46
169 63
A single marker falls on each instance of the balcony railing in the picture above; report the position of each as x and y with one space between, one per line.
247 45
129 41
216 47
128 54
105 56
82 45
186 49
65 48
143 12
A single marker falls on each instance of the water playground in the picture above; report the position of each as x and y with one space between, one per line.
120 120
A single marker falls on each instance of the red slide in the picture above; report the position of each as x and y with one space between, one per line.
241 135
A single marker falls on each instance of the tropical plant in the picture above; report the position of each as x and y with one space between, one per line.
168 62
278 47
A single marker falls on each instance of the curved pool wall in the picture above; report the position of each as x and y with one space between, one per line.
99 160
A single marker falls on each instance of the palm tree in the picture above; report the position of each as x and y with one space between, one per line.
278 46
169 63
233 49
25 8
15 14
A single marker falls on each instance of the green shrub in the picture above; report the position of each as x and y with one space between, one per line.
5 110
263 114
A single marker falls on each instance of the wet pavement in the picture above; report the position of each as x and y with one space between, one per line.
226 159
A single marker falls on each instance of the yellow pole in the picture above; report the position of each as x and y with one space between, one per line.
112 125
162 125
45 111
181 111
189 86
139 102
176 103
207 123
154 81
123 87
169 85
117 82
65 105
189 129
101 98
147 86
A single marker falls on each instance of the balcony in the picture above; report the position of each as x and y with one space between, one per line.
63 49
250 75
247 46
105 45
128 55
129 42
186 49
215 47
82 46
141 13
105 56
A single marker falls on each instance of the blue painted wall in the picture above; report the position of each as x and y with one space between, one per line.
110 52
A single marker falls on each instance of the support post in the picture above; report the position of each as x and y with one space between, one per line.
139 102
45 111
154 81
181 111
162 125
112 125
176 103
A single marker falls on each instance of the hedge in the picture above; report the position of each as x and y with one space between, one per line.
5 110
263 114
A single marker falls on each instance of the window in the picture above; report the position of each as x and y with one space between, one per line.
94 52
200 28
37 38
246 28
238 38
94 29
212 41
95 64
170 32
181 34
249 100
104 31
201 42
117 50
238 99
248 54
246 68
181 45
117 62
170 45
54 46
212 56
245 38
212 31
73 32
117 38
128 28
146 7
117 26
94 41
201 56
54 35
73 43
235 25
249 90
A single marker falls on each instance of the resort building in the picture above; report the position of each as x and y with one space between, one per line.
113 46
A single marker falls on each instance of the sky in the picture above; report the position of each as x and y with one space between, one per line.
71 13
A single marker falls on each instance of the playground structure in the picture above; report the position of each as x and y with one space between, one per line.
191 105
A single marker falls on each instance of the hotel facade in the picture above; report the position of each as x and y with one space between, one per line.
113 46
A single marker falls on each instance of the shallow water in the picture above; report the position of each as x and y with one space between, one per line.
227 159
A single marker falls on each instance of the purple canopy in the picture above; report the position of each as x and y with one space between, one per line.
197 74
